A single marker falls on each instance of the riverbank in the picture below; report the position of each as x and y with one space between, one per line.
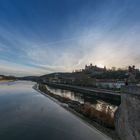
99 120
5 81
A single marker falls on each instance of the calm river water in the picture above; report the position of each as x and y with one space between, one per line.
25 114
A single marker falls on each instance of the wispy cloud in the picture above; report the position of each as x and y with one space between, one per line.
9 68
101 33
106 49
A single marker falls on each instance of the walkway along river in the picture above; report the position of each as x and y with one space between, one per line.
25 114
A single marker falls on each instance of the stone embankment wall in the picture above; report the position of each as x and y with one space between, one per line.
127 117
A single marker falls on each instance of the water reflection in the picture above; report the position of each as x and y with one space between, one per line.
98 104
26 114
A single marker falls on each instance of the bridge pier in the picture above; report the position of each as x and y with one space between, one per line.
127 117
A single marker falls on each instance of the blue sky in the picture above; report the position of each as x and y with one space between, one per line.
44 36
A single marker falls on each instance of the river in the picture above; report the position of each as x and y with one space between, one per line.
25 114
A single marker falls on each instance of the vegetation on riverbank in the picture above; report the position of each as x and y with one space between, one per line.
3 81
4 78
86 109
99 119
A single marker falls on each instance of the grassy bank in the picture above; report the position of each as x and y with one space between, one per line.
3 81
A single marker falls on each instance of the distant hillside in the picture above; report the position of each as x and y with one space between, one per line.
29 78
75 78
84 76
3 77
